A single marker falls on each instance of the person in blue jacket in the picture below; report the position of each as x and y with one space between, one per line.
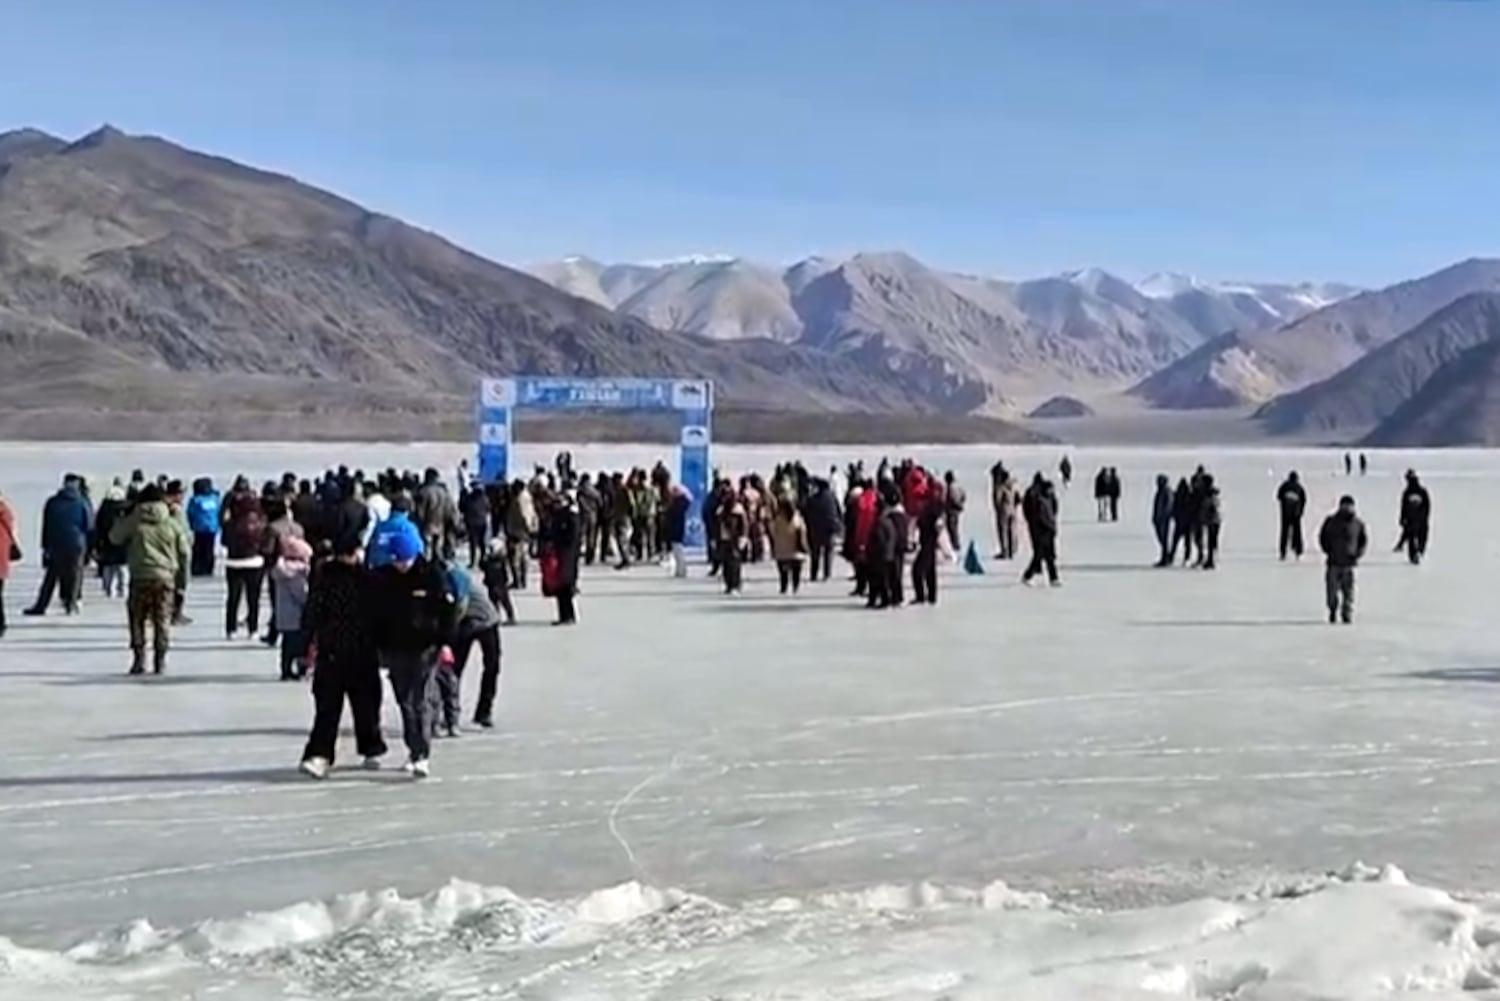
383 541
67 525
203 521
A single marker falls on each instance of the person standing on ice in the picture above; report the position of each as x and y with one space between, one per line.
10 551
244 523
67 524
559 548
1040 509
1004 500
1416 517
1291 498
953 509
1211 519
931 526
203 521
824 526
414 614
109 557
339 630
1161 519
1101 493
1065 470
1343 540
1182 521
1348 464
158 554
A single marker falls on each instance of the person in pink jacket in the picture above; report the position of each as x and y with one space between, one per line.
8 547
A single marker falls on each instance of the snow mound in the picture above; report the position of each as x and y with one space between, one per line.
1357 933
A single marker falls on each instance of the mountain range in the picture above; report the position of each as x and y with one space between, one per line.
983 343
148 290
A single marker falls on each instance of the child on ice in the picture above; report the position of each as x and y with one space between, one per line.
291 577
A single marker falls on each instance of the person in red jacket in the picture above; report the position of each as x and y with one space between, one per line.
866 512
244 526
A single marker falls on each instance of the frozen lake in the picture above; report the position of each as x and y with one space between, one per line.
1143 747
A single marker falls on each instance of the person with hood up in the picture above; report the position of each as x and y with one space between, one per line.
1101 493
1416 518
158 553
244 526
67 526
1291 500
559 548
1343 540
1161 519
1211 518
110 558
203 522
10 552
414 612
478 623
788 545
1039 507
291 573
824 526
383 539
932 522
338 625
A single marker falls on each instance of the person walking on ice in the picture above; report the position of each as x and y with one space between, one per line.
158 554
1343 540
1291 498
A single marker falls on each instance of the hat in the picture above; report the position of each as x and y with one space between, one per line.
294 548
346 544
406 546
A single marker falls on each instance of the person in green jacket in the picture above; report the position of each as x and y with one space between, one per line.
158 553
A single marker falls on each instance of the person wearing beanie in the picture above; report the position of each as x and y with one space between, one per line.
1344 541
414 612
290 574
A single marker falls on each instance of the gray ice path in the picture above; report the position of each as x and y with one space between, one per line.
1136 735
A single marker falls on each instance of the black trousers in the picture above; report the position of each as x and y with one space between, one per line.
244 585
501 597
478 538
63 577
2 606
1416 542
1182 533
567 608
733 566
588 528
1043 557
335 681
1211 553
820 559
887 584
790 573
1291 536
203 554
950 519
1164 541
489 682
924 577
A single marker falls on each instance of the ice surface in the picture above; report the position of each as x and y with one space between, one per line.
693 797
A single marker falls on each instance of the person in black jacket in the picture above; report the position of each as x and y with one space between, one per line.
414 612
825 523
932 522
559 550
337 623
496 570
674 522
67 527
1343 540
1416 517
1182 521
888 570
1161 519
475 507
1291 499
1039 507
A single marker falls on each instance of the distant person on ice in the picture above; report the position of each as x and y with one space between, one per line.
1291 499
1101 493
1065 470
1416 518
67 525
1182 521
1040 508
953 511
203 521
1006 500
1343 540
10 551
1161 519
1211 518
931 523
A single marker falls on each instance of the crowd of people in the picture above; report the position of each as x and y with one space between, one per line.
363 573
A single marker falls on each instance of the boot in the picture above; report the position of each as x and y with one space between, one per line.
159 662
137 661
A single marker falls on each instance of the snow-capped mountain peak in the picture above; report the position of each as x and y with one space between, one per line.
1167 285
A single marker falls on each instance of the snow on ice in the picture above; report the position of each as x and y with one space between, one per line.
1145 784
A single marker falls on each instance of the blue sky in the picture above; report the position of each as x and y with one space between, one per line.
1341 139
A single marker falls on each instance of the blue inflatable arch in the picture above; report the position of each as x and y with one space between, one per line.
693 399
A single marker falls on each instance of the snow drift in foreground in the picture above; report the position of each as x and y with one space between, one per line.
1358 934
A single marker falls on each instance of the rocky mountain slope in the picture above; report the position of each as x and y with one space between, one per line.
982 340
1458 405
1373 388
147 286
1254 367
